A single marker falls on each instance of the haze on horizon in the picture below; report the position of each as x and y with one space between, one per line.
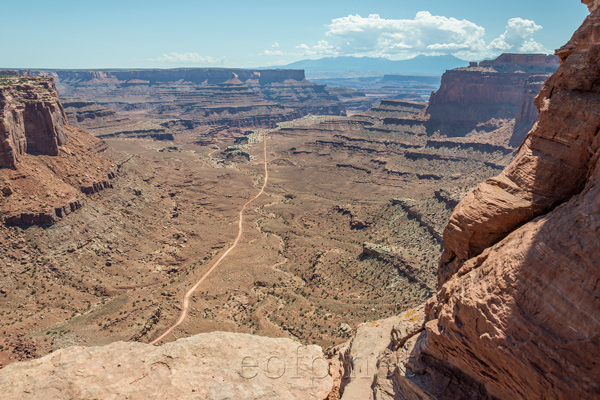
185 33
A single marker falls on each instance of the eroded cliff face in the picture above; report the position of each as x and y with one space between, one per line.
473 99
528 111
552 165
46 165
200 97
517 314
193 75
518 307
31 118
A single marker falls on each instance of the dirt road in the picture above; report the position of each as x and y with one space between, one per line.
186 299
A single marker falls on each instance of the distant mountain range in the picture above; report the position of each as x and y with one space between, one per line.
368 66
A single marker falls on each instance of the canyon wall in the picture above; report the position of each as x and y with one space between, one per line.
517 310
31 119
517 313
198 97
528 60
153 76
528 111
470 97
46 165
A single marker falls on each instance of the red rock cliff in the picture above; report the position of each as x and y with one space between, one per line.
528 111
47 177
532 60
205 96
31 118
474 95
551 166
517 314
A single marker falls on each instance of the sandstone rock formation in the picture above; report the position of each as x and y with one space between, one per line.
31 118
528 61
553 164
376 89
470 97
517 312
528 111
46 165
195 97
81 111
394 109
516 315
206 366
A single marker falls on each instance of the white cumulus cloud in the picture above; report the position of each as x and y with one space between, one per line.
321 49
274 51
189 58
517 37
427 34
405 38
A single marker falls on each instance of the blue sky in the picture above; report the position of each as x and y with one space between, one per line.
232 33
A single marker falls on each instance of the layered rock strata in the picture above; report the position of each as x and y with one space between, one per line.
201 97
528 111
517 312
49 165
31 118
193 75
552 165
469 98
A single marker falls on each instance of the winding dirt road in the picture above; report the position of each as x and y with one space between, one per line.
212 152
186 299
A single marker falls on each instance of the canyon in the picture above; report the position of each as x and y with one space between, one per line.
158 103
145 242
515 315
329 283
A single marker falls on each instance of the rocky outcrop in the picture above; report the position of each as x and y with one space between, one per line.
517 314
95 187
103 122
523 284
551 166
364 368
303 95
357 361
351 99
207 366
82 111
47 216
52 212
470 97
79 110
51 163
393 108
529 61
203 96
592 4
528 111
357 220
31 118
457 143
